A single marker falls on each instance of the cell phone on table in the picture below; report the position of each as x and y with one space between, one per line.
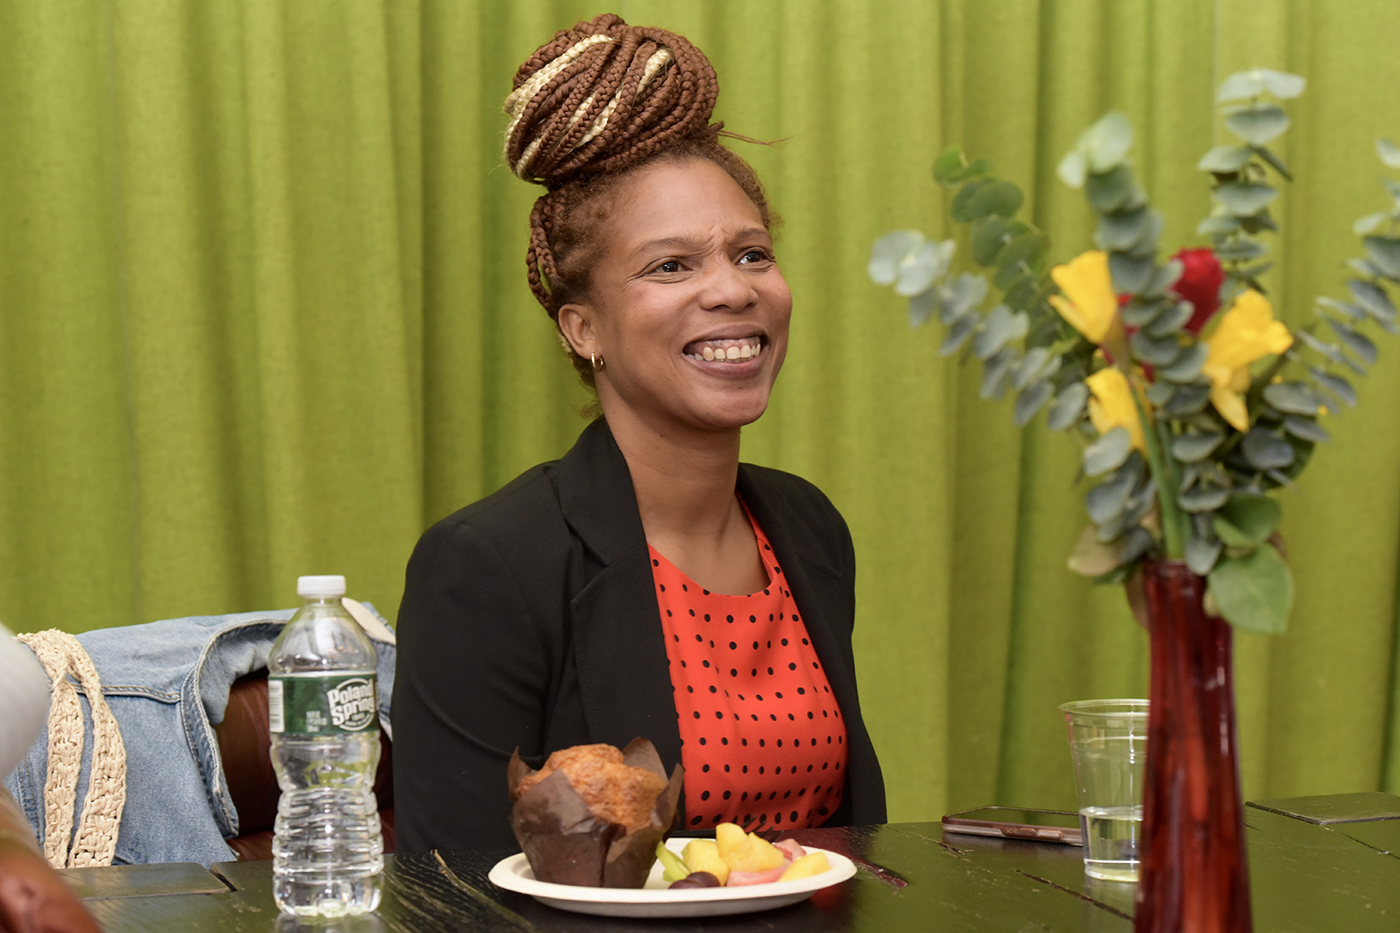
1018 823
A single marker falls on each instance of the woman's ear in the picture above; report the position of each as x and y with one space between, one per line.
576 324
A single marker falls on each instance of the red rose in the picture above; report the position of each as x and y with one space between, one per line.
1199 284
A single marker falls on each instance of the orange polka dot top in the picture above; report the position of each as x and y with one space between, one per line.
762 739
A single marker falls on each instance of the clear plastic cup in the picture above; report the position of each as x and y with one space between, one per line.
1108 740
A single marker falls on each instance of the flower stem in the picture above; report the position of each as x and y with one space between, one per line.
1158 439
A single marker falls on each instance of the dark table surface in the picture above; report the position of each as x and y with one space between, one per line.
1316 864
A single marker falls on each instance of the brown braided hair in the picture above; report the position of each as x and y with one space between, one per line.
591 106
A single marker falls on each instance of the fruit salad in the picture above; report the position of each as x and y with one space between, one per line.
735 858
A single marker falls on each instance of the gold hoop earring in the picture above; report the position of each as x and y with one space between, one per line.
598 362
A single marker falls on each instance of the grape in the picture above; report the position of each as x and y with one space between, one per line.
697 879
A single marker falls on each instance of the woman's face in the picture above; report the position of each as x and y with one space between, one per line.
686 307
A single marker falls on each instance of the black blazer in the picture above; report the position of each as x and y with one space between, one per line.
529 620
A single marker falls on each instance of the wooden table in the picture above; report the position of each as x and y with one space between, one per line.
1316 864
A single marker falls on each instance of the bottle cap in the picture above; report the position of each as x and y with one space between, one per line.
325 587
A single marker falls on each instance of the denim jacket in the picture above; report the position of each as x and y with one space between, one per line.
167 684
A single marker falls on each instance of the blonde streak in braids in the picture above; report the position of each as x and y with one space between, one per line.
518 103
539 257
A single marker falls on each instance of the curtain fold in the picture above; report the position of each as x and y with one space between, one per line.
263 313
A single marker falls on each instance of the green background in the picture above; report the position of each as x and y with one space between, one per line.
263 313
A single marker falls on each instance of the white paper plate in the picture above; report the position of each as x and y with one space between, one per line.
658 900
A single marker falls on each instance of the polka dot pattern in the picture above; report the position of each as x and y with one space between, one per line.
762 738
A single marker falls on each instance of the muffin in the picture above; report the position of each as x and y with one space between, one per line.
594 814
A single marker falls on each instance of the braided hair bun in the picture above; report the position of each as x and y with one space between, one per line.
603 96
596 102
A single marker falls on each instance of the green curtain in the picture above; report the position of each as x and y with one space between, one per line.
263 313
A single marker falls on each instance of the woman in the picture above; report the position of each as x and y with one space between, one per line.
586 601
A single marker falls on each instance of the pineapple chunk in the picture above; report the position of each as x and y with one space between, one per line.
807 866
728 838
703 855
754 855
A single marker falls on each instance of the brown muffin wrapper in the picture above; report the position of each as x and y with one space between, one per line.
567 844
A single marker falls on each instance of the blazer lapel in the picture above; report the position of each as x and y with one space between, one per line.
619 647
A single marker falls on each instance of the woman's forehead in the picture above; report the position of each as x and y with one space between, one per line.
680 200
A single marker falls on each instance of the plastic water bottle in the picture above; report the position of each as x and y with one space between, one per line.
328 853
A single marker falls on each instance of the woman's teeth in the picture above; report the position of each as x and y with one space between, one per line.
726 350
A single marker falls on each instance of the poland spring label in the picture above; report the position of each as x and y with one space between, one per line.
316 704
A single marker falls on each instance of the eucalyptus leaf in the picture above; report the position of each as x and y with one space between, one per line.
1159 393
1389 153
1187 400
950 166
1374 299
1241 249
1187 365
1293 398
1108 452
1280 478
1355 341
1306 428
1384 253
1136 542
1283 85
1030 367
1121 230
1201 553
995 332
1252 83
1068 406
1244 199
1256 517
920 270
989 235
1254 592
958 209
1218 225
1002 198
1030 400
1225 160
1159 351
957 334
1022 293
1241 85
1190 448
1364 267
1130 275
1091 557
1231 536
1369 223
1146 246
1106 143
966 293
1346 308
1027 248
1265 450
1012 277
889 251
1072 168
1271 157
996 373
1140 312
1110 497
1336 385
1113 190
1202 498
1163 279
922 307
1259 124
1329 350
1171 321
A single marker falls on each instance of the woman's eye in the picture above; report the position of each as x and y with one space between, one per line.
755 256
668 267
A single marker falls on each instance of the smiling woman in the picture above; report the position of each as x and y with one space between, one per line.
648 583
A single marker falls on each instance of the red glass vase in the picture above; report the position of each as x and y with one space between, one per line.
1194 877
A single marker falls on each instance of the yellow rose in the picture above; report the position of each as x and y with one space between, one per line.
1088 303
1247 332
1111 405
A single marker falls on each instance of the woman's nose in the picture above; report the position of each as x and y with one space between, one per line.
727 288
